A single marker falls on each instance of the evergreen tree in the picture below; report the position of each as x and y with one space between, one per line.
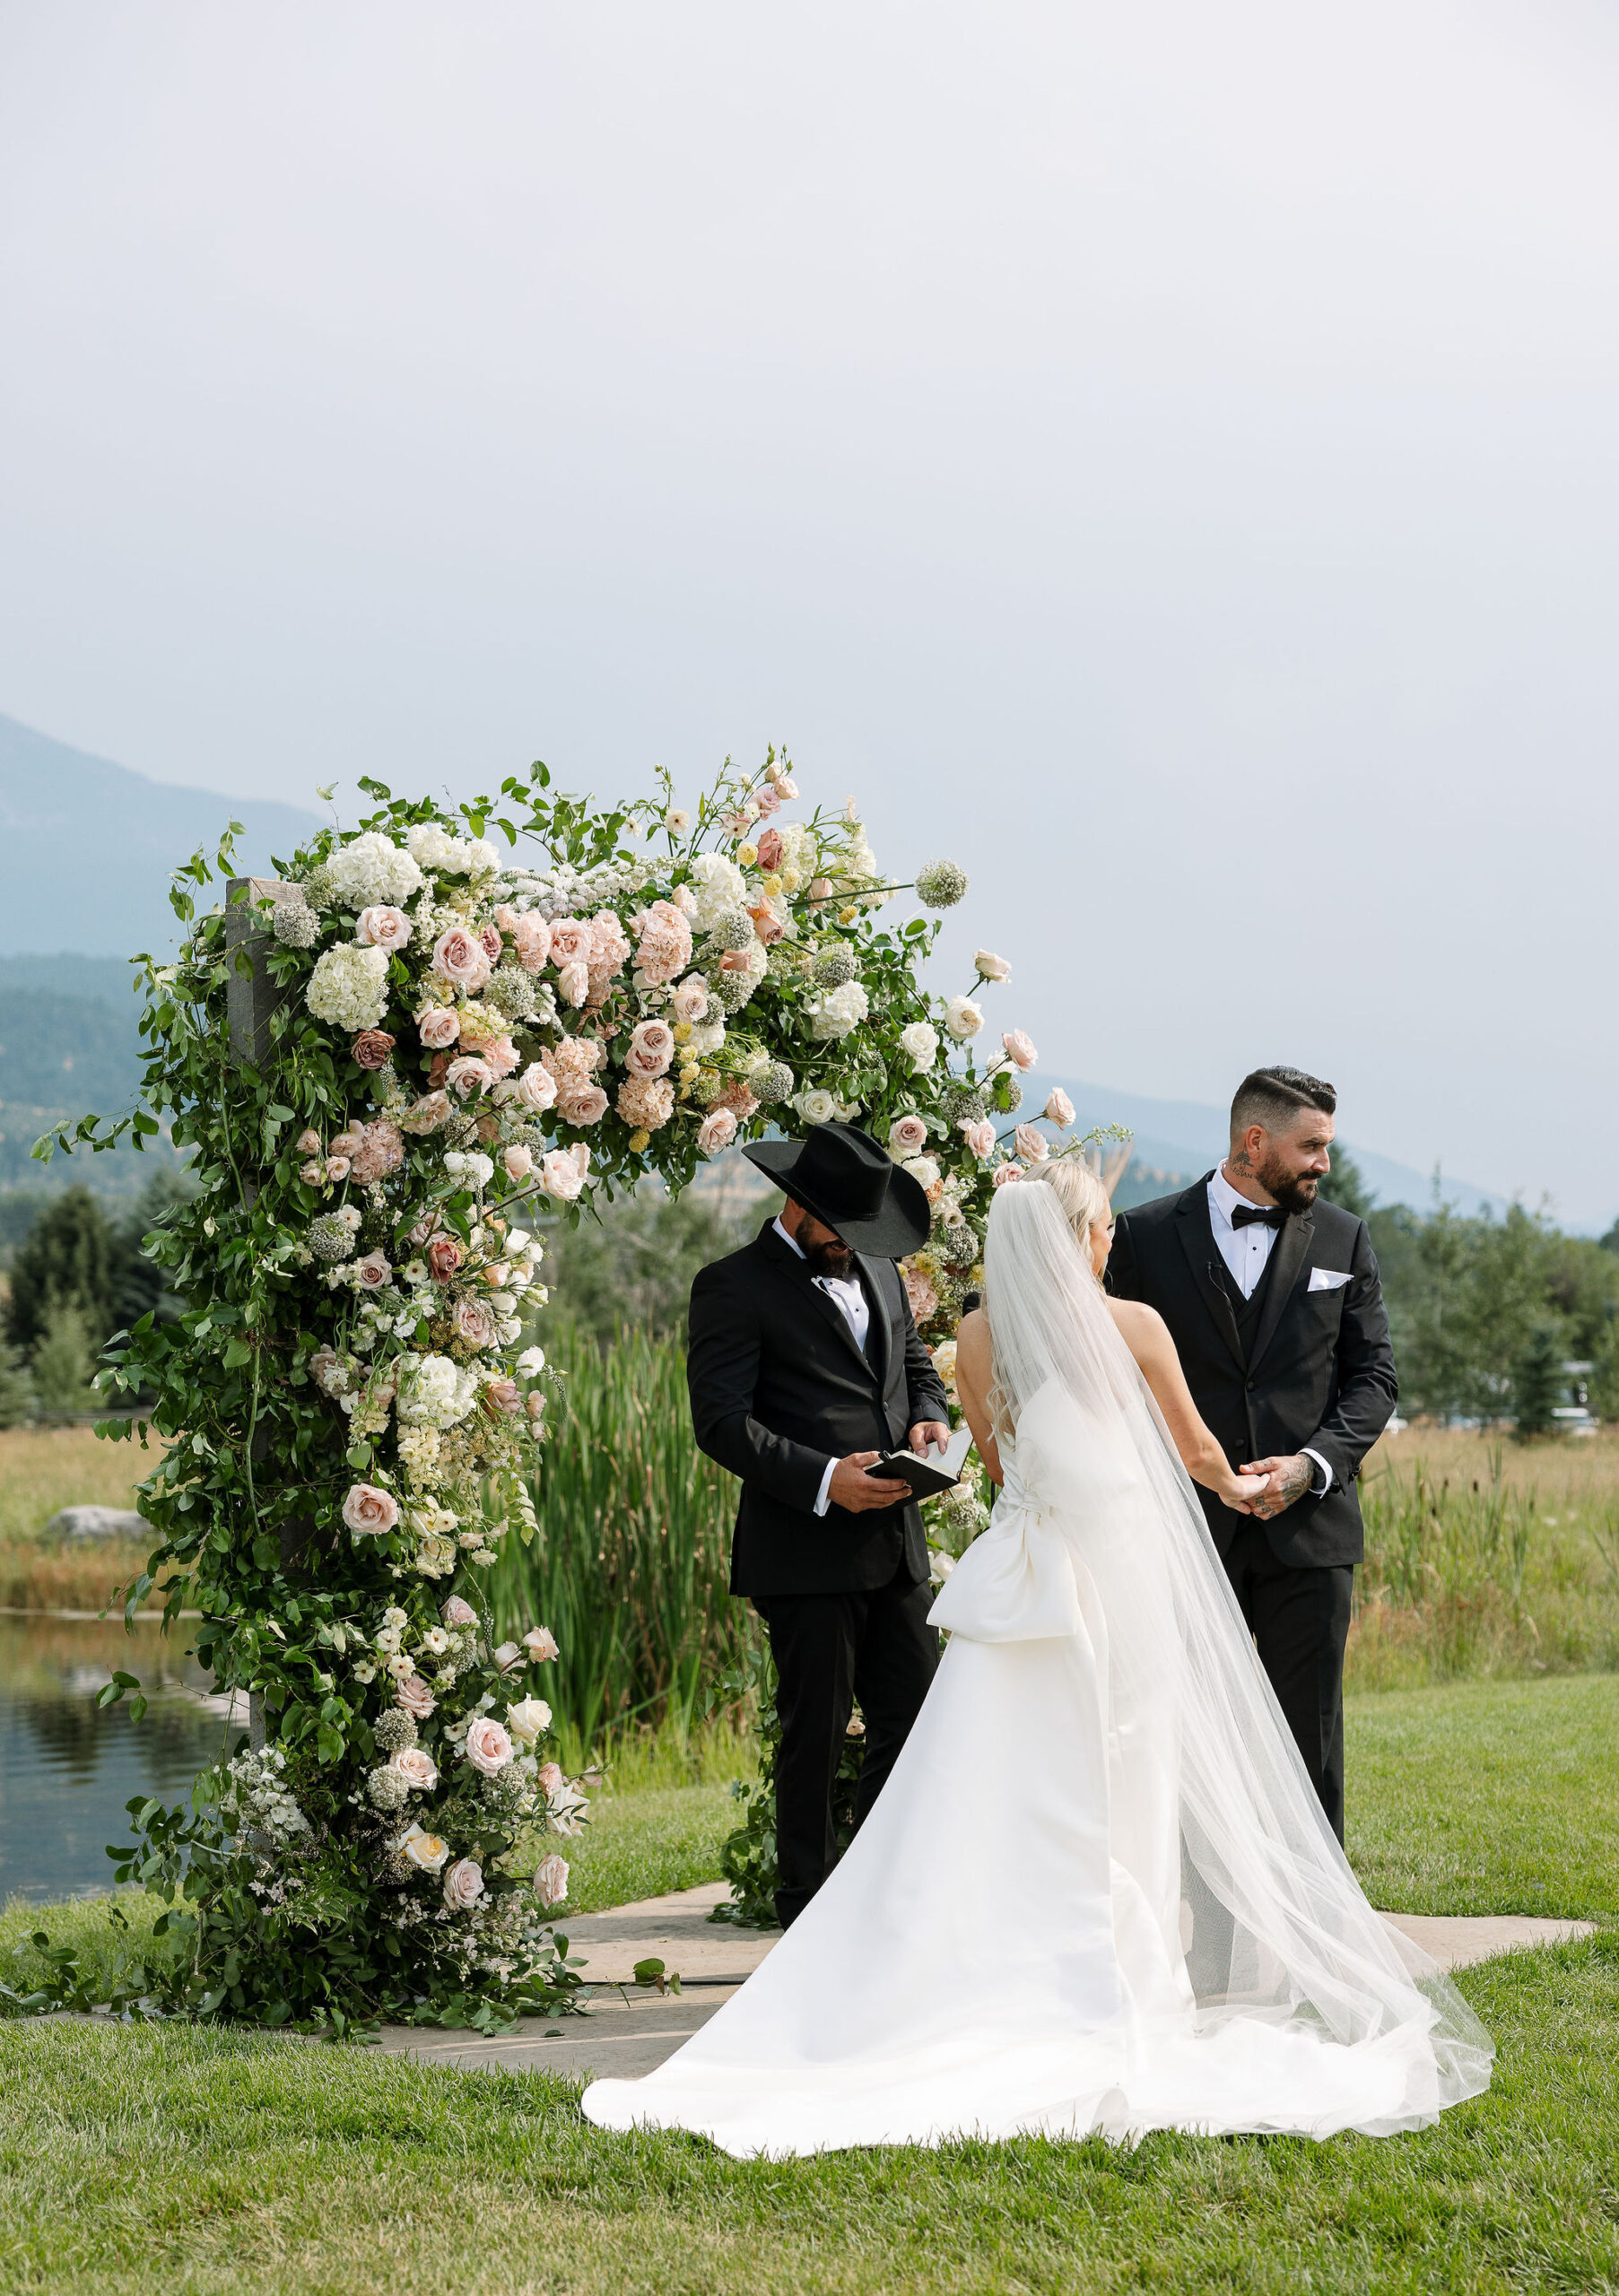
1344 1186
19 1402
140 1286
63 1366
1539 1383
67 1260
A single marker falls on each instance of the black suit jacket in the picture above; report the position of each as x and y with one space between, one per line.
778 1388
1320 1374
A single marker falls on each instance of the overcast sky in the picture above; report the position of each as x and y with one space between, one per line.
1162 456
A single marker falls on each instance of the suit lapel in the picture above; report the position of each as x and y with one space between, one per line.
1197 1242
797 1271
881 1319
1289 1253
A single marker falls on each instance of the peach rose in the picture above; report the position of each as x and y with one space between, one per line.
532 935
468 1074
460 958
651 1048
488 1747
767 924
980 1137
463 1885
518 1160
505 1394
369 1511
489 936
561 1176
457 1611
438 1026
551 1880
416 1766
372 1272
548 1778
540 1644
308 1143
537 1088
570 941
1004 1174
1032 1144
907 1136
474 1322
384 928
444 1256
1058 1108
770 851
371 1047
716 1131
690 1001
1019 1049
414 1696
588 1105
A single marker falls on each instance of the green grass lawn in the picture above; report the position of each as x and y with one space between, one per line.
187 2161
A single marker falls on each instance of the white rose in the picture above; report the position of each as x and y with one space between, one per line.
551 1880
528 1720
463 1885
816 1107
488 1747
920 1045
963 1018
989 967
425 1851
531 1362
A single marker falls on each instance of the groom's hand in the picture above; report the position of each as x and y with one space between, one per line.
928 1431
1288 1479
853 1488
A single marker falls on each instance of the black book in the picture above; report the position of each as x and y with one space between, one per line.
928 1476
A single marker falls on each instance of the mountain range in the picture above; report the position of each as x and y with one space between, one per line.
86 851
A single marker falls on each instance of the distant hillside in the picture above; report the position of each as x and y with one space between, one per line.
87 847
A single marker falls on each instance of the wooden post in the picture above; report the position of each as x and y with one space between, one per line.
250 998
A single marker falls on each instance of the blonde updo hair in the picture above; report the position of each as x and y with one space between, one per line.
1080 1192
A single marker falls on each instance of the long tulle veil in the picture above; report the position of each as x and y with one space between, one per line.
1214 1814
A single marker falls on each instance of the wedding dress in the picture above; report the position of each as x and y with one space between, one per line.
1097 1893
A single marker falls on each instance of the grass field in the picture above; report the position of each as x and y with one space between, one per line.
42 1469
201 2162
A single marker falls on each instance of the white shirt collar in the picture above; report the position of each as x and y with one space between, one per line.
1222 1197
791 1241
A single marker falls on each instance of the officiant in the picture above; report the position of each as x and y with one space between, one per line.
804 1367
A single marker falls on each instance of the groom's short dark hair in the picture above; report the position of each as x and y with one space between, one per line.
1273 1097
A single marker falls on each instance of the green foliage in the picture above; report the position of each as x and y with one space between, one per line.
1539 1384
631 1266
62 1365
68 1262
1343 1185
19 1397
630 1565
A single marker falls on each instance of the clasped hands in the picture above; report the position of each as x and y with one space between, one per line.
1286 1478
853 1488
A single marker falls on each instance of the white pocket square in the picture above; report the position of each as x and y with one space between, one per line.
1328 1279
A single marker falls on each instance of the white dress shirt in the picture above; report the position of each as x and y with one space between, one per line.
847 1293
1246 1251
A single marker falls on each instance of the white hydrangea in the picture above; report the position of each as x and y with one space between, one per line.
705 1038
371 871
920 1045
434 1391
348 987
799 851
452 857
717 885
836 1011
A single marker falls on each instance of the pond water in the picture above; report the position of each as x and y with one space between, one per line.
67 1766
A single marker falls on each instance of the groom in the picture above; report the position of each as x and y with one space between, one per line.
1271 1296
804 1357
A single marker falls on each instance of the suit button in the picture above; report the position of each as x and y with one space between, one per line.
1250 1385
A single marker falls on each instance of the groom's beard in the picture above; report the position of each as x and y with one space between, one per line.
1296 1192
830 1259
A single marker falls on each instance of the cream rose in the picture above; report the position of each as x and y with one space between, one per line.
416 1766
551 1880
980 1137
384 928
963 1018
561 1176
463 1885
570 941
425 1851
537 1088
488 1747
460 958
438 1026
508 1655
457 1611
474 1322
540 1644
415 1697
369 1511
716 1131
467 1076
1058 1108
989 967
372 1272
518 1160
1019 1049
907 1136
528 1720
651 1048
1030 1144
688 1000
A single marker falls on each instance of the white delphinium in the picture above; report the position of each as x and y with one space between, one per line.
371 871
348 987
717 885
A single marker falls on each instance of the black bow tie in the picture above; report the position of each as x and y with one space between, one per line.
1267 1215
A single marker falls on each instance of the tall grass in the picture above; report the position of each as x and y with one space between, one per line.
1473 1568
630 1566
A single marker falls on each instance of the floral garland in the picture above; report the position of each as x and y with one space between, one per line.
351 1412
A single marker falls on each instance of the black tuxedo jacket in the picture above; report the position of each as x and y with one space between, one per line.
1319 1372
778 1388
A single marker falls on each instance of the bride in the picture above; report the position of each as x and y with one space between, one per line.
1097 1892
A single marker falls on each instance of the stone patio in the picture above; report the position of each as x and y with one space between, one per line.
629 2032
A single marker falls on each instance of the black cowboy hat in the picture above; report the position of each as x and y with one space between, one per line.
843 1177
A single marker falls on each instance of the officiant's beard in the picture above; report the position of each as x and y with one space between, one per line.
1296 1192
830 1259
